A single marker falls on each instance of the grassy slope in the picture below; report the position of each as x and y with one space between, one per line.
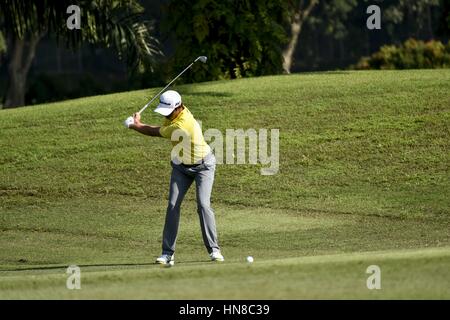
364 167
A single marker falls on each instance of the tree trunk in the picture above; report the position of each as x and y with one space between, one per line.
21 57
298 18
288 53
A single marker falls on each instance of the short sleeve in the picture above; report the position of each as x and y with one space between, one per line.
166 131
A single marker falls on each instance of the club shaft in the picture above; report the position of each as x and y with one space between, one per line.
145 107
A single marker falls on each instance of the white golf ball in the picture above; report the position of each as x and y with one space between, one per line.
249 259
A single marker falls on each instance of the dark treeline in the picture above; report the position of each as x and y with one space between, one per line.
241 38
336 38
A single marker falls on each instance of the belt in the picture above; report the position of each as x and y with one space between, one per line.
193 165
196 164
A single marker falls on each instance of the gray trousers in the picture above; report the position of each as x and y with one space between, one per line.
180 181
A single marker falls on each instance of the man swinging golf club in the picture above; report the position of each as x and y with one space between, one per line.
197 163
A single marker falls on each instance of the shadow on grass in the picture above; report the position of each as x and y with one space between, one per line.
56 267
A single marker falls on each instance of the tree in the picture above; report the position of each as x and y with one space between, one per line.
115 24
415 13
325 32
240 37
299 12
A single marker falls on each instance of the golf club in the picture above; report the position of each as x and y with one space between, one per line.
200 58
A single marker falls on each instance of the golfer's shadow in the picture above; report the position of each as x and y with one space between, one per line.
98 266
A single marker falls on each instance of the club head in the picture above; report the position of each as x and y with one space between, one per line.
202 59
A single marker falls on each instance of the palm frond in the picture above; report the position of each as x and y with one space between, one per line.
116 24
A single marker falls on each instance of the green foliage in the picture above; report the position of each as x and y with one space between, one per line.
241 38
412 54
116 24
396 11
333 16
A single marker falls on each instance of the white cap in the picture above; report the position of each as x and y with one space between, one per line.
168 102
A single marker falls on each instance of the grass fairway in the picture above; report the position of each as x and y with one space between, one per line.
363 180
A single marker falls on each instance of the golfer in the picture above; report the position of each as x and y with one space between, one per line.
196 163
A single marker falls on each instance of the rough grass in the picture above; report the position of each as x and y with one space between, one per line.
364 163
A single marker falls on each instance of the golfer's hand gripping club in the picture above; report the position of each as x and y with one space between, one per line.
128 122
135 119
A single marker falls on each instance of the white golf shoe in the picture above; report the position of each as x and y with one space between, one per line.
166 259
216 256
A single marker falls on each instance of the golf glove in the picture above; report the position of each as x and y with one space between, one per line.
128 122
